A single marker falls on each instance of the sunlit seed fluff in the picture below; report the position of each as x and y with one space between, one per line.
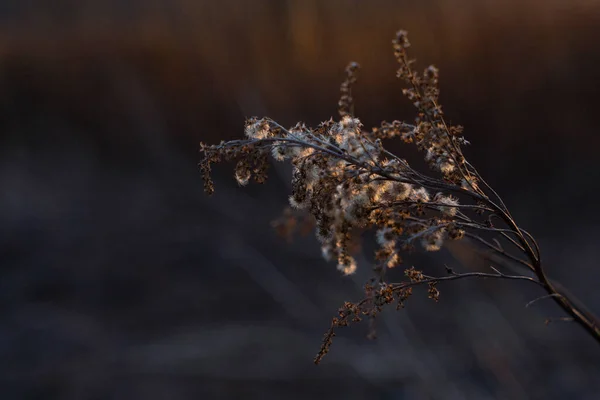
401 190
348 122
352 212
258 130
446 167
299 152
336 168
323 235
392 164
384 192
419 194
384 237
449 205
393 261
434 241
430 154
363 151
349 267
337 133
348 141
296 205
327 252
279 152
294 151
469 184
312 175
242 177
353 205
298 134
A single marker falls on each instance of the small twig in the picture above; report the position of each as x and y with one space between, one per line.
499 251
547 321
542 298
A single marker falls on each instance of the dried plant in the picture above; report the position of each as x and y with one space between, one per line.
346 180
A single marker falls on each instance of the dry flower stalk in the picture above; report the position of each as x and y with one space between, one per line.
346 179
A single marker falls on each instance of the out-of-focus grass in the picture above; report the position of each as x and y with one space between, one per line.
291 53
520 75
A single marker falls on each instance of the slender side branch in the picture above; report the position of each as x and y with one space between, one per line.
399 292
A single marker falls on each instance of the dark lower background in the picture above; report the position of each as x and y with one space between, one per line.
119 279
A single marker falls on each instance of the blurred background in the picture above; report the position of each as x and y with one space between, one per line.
120 279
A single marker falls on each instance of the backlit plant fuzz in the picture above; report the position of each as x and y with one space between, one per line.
346 180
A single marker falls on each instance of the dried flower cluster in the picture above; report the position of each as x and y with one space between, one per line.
346 180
